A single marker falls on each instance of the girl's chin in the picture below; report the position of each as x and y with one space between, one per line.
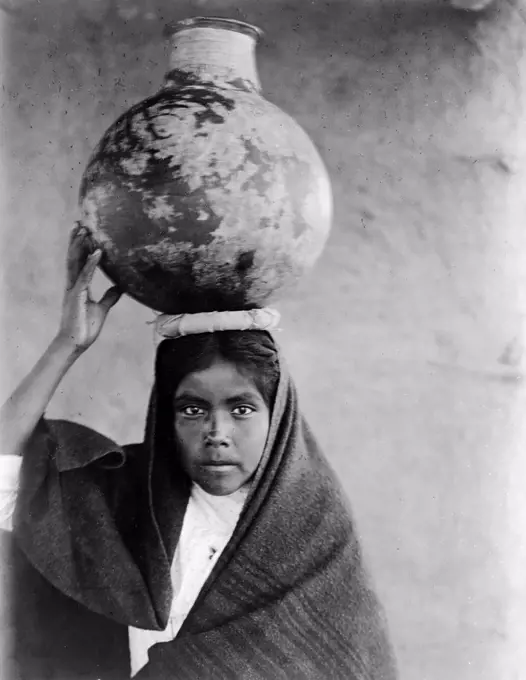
219 483
218 489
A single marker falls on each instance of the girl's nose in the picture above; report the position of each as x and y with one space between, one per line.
219 429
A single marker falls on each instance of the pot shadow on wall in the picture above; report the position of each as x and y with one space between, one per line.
406 341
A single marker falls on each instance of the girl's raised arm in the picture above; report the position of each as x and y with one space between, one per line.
81 323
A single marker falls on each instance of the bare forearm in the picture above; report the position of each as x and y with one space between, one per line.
81 322
24 408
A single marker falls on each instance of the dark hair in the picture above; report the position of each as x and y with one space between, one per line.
253 352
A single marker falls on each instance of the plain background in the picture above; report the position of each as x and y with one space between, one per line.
406 341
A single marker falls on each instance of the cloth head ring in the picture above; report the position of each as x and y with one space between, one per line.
265 319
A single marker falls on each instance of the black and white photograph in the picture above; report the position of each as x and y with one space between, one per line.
263 326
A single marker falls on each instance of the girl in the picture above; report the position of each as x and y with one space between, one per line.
220 547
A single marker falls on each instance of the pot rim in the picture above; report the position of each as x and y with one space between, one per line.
215 22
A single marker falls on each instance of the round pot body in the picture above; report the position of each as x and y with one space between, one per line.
206 196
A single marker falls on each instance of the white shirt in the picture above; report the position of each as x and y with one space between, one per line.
208 524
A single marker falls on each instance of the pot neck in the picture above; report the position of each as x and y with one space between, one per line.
214 50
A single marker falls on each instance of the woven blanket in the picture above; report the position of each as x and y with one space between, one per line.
289 597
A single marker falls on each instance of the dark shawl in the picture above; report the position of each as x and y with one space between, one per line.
289 597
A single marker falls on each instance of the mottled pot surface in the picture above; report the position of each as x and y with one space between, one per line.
206 197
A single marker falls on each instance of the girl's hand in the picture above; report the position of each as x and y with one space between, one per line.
83 318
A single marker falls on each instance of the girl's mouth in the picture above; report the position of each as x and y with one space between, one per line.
219 467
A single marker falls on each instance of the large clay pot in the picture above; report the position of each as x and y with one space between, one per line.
206 196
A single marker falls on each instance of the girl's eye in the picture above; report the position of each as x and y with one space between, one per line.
192 411
243 410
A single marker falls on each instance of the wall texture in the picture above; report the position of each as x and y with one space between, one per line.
407 340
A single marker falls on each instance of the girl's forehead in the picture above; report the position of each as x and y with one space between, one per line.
221 378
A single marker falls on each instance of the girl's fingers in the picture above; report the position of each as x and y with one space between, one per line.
110 297
79 250
74 258
86 275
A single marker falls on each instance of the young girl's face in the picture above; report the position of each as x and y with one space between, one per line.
221 427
